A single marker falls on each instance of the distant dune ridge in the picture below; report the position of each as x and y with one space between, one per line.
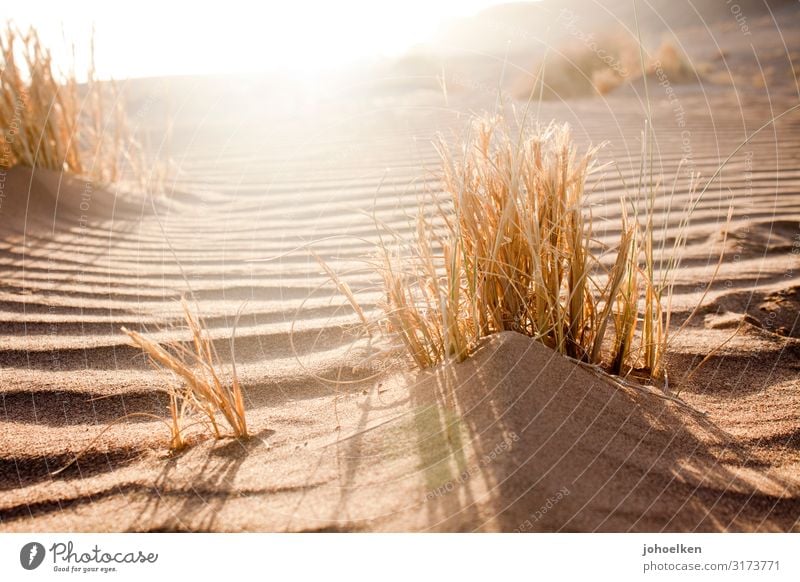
516 437
523 22
591 48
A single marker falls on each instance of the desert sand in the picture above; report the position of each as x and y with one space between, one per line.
516 438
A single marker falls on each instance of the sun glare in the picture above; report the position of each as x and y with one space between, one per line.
236 36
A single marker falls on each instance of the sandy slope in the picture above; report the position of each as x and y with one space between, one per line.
515 438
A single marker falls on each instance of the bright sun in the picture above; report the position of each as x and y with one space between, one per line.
152 38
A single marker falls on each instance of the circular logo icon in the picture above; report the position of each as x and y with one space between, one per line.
31 555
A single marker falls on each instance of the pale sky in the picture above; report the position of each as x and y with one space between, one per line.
151 38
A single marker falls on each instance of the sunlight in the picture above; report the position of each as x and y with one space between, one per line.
236 36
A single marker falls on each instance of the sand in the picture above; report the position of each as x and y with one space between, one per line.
514 439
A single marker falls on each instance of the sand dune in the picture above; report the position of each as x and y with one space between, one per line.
515 438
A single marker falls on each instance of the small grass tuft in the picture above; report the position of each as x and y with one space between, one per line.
672 63
599 66
200 389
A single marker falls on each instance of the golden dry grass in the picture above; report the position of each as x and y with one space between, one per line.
577 69
515 249
51 121
200 388
672 64
598 66
606 80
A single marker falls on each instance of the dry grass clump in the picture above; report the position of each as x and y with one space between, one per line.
51 121
669 62
200 389
606 80
579 69
598 65
517 251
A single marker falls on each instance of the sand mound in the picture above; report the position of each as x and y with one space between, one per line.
589 456
44 199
